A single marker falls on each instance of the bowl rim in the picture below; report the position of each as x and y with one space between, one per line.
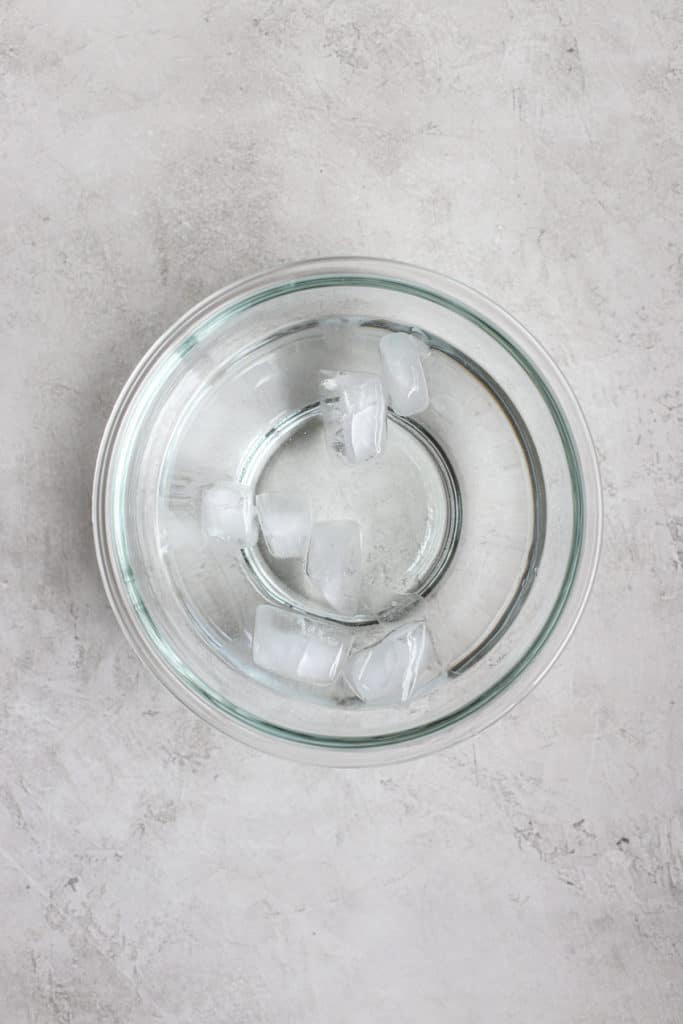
556 632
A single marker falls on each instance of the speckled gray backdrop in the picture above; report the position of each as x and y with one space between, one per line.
153 871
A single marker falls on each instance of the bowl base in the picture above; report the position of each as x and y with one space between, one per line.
406 502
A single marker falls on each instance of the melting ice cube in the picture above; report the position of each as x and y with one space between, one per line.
293 646
334 563
354 413
387 671
402 372
228 513
285 523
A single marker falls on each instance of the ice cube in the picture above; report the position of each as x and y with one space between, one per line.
291 645
334 563
228 513
354 413
402 372
387 671
285 523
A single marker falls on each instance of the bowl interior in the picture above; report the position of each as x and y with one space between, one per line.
473 519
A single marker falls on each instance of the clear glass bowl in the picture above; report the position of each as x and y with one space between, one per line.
483 512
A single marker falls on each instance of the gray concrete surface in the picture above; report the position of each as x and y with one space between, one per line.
151 870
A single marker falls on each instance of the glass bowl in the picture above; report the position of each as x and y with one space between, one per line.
480 519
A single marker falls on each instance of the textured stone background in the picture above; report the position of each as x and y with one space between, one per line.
153 871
